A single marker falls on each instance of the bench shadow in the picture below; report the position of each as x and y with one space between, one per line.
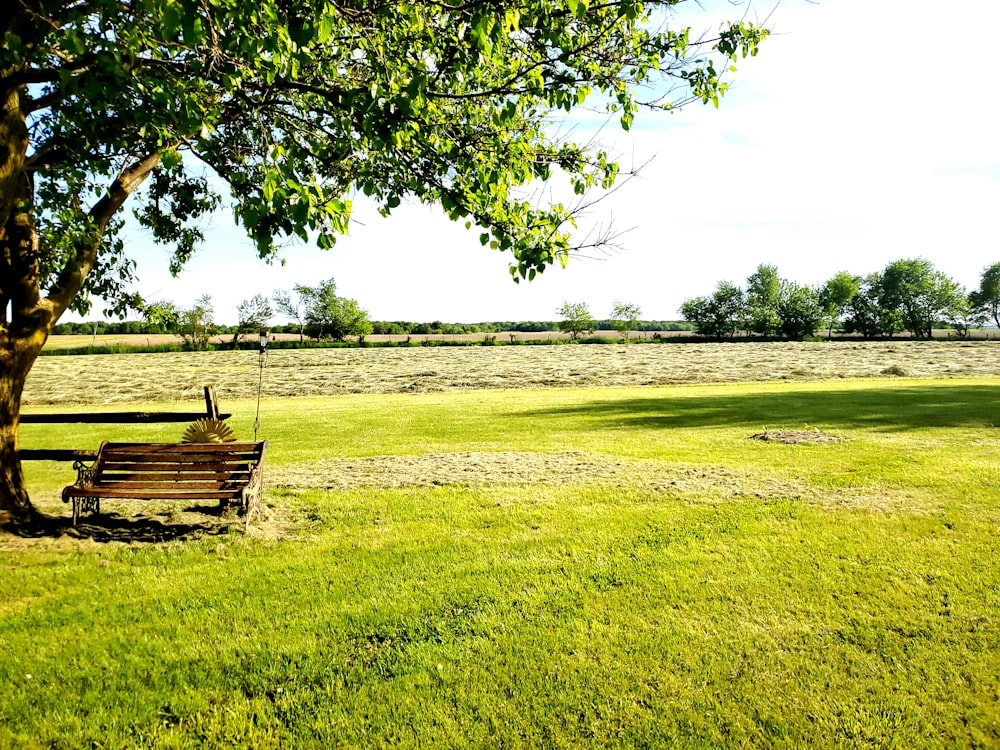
131 529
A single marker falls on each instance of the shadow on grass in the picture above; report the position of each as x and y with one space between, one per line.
881 408
132 529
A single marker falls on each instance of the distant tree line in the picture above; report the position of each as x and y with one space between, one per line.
379 327
577 320
406 328
317 312
907 295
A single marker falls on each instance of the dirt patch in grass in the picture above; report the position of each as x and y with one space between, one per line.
438 469
647 479
515 467
795 437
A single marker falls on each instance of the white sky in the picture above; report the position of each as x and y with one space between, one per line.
864 132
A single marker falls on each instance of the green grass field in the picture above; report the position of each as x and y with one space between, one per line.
560 568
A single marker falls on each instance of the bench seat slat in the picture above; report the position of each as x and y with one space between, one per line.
175 476
158 494
149 467
166 484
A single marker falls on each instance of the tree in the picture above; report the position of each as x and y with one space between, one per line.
986 299
196 324
718 316
762 295
865 314
353 320
161 317
798 310
329 316
921 296
625 317
777 306
836 295
576 319
296 105
253 314
293 308
965 317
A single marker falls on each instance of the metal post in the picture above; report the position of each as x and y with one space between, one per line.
260 382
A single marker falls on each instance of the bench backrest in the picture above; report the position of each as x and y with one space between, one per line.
183 467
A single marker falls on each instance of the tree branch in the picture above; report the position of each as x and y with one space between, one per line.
74 273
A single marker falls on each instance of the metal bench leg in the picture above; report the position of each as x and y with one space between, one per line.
90 505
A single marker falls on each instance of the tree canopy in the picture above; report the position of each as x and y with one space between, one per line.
254 313
908 295
718 315
763 293
328 315
289 109
770 306
986 299
836 294
196 324
576 319
625 317
921 296
297 105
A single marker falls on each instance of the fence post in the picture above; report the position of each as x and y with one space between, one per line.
211 403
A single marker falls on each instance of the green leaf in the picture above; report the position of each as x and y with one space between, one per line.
170 19
170 159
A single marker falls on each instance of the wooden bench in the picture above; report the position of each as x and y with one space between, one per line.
227 472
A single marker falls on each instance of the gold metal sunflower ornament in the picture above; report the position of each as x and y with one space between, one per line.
209 431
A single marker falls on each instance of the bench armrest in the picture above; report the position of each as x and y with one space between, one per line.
253 493
84 473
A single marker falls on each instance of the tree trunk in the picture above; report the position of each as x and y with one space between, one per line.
15 363
26 315
18 269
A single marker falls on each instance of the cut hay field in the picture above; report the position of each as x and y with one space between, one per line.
528 547
107 379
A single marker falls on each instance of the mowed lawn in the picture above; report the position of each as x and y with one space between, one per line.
537 568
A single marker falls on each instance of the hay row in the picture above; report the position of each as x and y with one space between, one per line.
114 379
